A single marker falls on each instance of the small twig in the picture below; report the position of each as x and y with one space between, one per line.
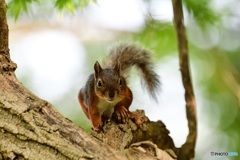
187 149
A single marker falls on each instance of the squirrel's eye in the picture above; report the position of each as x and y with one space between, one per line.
120 82
99 83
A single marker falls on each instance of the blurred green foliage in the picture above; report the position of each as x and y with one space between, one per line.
71 5
160 37
202 12
15 7
219 80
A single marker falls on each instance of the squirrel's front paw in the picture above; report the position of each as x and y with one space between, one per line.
122 114
98 129
136 119
97 124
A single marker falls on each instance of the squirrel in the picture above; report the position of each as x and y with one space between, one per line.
106 92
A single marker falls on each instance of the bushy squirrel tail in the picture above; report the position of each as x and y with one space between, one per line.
133 55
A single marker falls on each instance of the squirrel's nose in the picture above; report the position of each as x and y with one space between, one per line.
111 94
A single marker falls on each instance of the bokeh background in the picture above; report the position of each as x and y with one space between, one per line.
55 50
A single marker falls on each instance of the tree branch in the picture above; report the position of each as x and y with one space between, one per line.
187 149
121 136
5 62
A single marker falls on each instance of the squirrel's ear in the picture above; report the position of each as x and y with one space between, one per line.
97 69
117 67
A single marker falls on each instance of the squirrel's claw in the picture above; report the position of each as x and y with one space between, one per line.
122 114
136 119
98 129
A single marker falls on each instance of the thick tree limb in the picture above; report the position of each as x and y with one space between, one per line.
187 149
31 128
127 134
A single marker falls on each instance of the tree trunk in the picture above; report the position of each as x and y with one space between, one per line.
31 128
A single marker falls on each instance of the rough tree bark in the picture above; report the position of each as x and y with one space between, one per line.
31 128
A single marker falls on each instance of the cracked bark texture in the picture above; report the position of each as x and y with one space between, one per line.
31 128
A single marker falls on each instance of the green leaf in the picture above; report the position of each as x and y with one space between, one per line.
70 5
15 7
60 4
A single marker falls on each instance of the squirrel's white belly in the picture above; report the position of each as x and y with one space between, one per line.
106 108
